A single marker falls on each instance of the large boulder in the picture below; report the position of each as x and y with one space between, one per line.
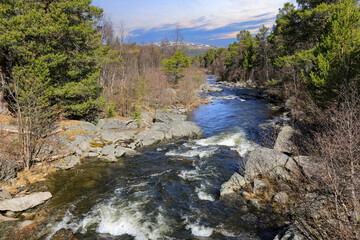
264 160
23 203
117 124
163 117
111 153
235 183
284 142
291 233
182 129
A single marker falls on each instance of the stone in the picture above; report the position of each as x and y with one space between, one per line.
310 168
4 194
259 186
263 160
245 194
182 129
285 188
207 87
24 224
281 198
284 142
67 162
117 124
255 202
23 203
290 233
81 126
235 183
163 117
146 119
111 153
279 172
130 152
290 103
6 219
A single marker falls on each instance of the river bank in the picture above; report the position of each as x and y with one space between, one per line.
186 175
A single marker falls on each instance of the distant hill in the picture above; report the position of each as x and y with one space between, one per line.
193 49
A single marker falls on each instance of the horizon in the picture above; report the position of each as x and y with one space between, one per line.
204 22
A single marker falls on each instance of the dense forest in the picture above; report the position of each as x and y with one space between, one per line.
62 59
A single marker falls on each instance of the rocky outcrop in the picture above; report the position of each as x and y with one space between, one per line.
207 87
235 183
264 160
111 139
23 203
284 142
117 124
164 117
290 233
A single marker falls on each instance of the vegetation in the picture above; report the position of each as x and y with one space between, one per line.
312 53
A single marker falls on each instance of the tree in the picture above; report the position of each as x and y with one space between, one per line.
49 64
175 65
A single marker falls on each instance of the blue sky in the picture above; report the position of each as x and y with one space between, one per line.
213 22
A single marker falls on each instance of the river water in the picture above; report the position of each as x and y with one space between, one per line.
172 191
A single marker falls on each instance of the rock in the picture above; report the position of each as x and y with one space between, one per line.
290 103
290 233
259 186
111 153
182 129
4 194
163 117
63 234
153 136
280 173
117 124
146 119
24 203
284 141
255 202
281 198
245 194
207 87
235 183
310 168
24 224
130 152
285 188
67 162
10 214
6 219
79 126
263 160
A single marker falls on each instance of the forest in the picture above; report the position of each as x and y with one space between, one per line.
62 60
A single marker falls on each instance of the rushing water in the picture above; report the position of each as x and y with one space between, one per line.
171 192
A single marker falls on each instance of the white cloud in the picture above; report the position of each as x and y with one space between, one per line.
202 14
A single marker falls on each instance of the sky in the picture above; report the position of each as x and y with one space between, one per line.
214 22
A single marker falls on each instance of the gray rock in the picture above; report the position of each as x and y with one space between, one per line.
111 153
259 186
311 168
117 124
235 183
24 203
284 141
291 233
163 117
207 87
280 173
146 119
245 194
4 194
263 160
290 103
67 162
82 126
255 202
181 129
130 152
281 198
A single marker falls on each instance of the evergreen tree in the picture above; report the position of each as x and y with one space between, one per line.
175 65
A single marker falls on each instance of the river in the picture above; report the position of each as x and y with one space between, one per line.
170 191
